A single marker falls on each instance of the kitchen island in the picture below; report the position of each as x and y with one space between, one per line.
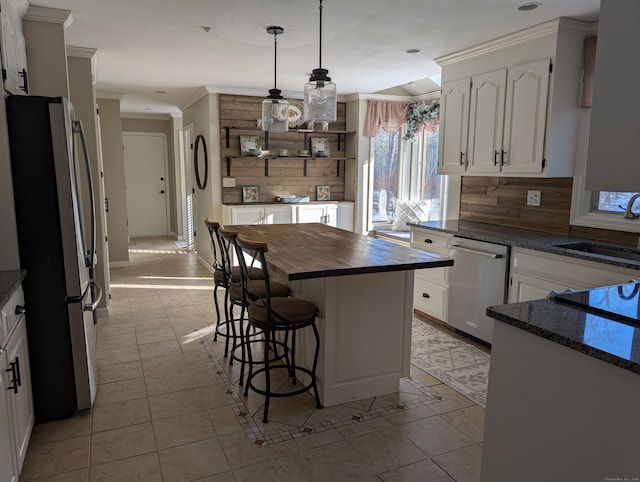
363 288
564 389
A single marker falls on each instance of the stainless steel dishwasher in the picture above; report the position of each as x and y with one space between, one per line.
478 279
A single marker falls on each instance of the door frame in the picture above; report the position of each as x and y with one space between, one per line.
167 185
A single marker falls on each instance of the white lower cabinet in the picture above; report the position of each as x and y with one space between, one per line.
431 286
259 214
337 214
8 470
16 402
534 274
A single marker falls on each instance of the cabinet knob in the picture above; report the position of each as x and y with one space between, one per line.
428 241
20 310
426 295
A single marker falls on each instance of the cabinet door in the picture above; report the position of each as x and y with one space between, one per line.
525 117
344 216
331 215
454 124
21 403
9 48
278 215
527 288
247 215
486 121
313 213
8 470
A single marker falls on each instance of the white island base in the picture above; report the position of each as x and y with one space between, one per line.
554 413
365 333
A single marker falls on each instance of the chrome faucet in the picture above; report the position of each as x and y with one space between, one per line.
628 213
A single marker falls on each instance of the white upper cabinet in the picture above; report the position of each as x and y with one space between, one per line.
485 150
14 55
525 117
505 111
613 162
454 122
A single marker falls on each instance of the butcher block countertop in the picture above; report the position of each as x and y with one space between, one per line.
314 250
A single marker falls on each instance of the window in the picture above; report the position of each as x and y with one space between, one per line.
404 170
607 201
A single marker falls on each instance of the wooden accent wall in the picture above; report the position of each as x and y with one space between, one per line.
503 201
285 175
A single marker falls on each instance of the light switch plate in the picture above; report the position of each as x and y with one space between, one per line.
228 182
533 198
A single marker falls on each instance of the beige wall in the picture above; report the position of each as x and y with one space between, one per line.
164 126
204 115
114 180
83 98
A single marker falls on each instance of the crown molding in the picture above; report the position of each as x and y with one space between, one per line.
50 15
556 26
394 98
83 52
140 116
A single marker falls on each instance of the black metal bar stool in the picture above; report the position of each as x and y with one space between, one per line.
224 276
237 298
272 315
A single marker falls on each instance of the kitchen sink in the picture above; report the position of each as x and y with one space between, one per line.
602 250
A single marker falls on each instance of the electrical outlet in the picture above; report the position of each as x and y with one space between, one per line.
533 198
228 182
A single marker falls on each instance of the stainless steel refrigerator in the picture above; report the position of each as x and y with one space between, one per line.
55 216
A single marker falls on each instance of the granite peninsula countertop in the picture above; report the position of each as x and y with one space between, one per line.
525 238
611 341
9 282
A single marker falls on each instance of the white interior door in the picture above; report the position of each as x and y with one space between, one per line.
145 164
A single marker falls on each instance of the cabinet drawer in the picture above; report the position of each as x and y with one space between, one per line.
440 275
426 241
9 315
430 298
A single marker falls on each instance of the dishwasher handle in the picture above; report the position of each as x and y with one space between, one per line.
476 251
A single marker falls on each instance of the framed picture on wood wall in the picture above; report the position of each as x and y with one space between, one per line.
323 193
250 194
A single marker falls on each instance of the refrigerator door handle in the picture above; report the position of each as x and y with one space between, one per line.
90 257
92 307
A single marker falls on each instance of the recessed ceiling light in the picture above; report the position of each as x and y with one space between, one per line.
206 29
526 7
412 51
148 108
159 91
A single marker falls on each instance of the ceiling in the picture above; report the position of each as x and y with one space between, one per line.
150 46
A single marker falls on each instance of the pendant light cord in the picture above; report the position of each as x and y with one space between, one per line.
320 50
275 60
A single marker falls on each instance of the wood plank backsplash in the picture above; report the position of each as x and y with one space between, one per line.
503 201
285 175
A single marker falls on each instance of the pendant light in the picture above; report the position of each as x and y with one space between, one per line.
320 97
275 110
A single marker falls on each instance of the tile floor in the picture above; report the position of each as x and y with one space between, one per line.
168 406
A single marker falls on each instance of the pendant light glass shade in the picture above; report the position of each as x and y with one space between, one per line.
275 109
320 94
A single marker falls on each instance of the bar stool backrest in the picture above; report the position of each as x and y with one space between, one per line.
251 254
212 227
226 239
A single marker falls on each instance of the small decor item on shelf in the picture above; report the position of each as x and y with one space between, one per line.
247 143
323 193
283 152
320 147
420 114
250 194
255 152
296 109
304 153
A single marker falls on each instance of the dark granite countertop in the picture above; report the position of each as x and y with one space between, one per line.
525 238
9 282
606 339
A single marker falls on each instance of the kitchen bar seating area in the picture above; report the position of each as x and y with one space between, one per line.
169 407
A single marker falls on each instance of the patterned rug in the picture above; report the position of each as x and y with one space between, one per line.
455 363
